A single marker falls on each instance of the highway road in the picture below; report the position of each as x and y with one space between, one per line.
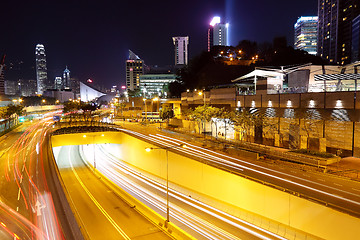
27 206
198 219
102 213
341 194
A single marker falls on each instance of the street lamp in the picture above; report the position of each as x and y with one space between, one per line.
144 99
148 149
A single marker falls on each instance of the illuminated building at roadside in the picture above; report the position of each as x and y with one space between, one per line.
306 34
156 84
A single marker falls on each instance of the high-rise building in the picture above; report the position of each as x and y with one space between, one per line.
134 69
2 75
66 79
58 83
217 33
10 87
181 50
355 41
41 70
306 34
334 29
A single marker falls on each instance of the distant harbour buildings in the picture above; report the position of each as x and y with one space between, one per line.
66 82
306 34
41 70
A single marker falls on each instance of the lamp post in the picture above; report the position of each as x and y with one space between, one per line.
148 149
144 99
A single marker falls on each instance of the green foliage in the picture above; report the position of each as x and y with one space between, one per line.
11 109
166 112
134 93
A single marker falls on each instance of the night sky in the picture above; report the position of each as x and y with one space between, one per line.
93 37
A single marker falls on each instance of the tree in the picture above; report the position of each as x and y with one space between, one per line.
166 113
88 110
243 120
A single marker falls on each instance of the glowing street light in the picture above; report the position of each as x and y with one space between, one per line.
149 149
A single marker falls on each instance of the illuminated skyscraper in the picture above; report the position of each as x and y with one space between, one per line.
58 83
355 41
41 70
66 79
334 29
134 69
306 34
217 33
181 50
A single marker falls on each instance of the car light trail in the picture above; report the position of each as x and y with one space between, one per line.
25 167
193 150
235 165
111 167
98 205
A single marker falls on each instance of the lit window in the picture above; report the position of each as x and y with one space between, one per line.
311 104
338 104
289 104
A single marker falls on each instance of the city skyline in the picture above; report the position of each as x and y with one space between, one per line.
98 37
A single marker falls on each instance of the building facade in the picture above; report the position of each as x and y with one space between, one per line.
10 87
217 33
156 84
334 29
355 40
27 87
134 69
66 79
58 83
41 70
181 50
306 34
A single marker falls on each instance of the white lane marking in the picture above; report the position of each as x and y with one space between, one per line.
98 205
18 195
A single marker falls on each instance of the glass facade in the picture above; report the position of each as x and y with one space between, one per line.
355 41
181 50
41 70
306 34
156 84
